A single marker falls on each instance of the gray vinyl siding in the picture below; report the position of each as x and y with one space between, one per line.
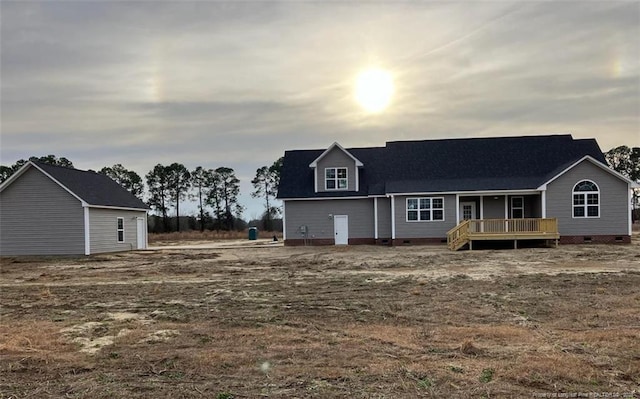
336 158
38 217
493 208
315 215
532 206
434 229
103 234
614 202
384 217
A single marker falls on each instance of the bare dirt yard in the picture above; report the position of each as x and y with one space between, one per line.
323 322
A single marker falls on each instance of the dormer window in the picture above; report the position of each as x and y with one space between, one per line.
335 179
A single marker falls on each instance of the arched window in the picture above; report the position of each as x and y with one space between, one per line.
586 200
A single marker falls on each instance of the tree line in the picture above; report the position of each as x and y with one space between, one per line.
218 189
626 161
170 185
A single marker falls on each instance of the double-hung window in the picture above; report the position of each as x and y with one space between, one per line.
120 229
335 179
425 209
586 200
517 207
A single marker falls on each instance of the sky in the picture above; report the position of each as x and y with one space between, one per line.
237 83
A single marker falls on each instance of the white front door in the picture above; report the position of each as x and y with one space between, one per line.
141 229
341 229
467 211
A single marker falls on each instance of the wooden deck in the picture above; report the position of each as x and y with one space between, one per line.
502 229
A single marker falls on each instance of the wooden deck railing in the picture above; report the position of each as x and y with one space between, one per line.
529 225
502 229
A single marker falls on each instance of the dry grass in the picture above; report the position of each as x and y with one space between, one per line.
314 323
35 339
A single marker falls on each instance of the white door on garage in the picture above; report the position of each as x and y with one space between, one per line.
341 229
141 228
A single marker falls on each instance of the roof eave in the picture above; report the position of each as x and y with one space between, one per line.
331 147
594 162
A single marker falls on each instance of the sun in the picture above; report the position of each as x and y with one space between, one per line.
374 89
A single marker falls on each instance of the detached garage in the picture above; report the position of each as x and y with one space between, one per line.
53 210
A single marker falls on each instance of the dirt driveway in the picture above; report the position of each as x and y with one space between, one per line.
271 321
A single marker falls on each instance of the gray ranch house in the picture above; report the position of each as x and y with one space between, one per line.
53 210
455 191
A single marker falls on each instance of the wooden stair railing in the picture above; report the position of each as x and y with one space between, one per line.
458 236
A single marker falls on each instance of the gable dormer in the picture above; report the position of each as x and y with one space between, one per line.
336 170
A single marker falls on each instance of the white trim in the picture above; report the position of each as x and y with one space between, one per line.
419 194
630 210
314 164
357 179
375 218
393 217
506 207
418 209
284 220
144 232
458 208
336 179
335 230
26 166
585 206
511 207
124 239
331 198
593 161
543 200
58 183
462 205
15 175
87 231
532 191
315 179
482 207
120 208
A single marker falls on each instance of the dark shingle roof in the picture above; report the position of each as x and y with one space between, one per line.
93 188
506 163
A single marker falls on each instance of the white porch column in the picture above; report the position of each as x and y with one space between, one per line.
506 206
284 222
87 231
631 192
375 218
457 208
544 203
481 209
393 218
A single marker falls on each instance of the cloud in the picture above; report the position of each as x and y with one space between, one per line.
237 83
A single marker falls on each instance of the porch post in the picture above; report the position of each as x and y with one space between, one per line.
481 213
457 209
375 218
544 203
506 206
393 219
506 212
